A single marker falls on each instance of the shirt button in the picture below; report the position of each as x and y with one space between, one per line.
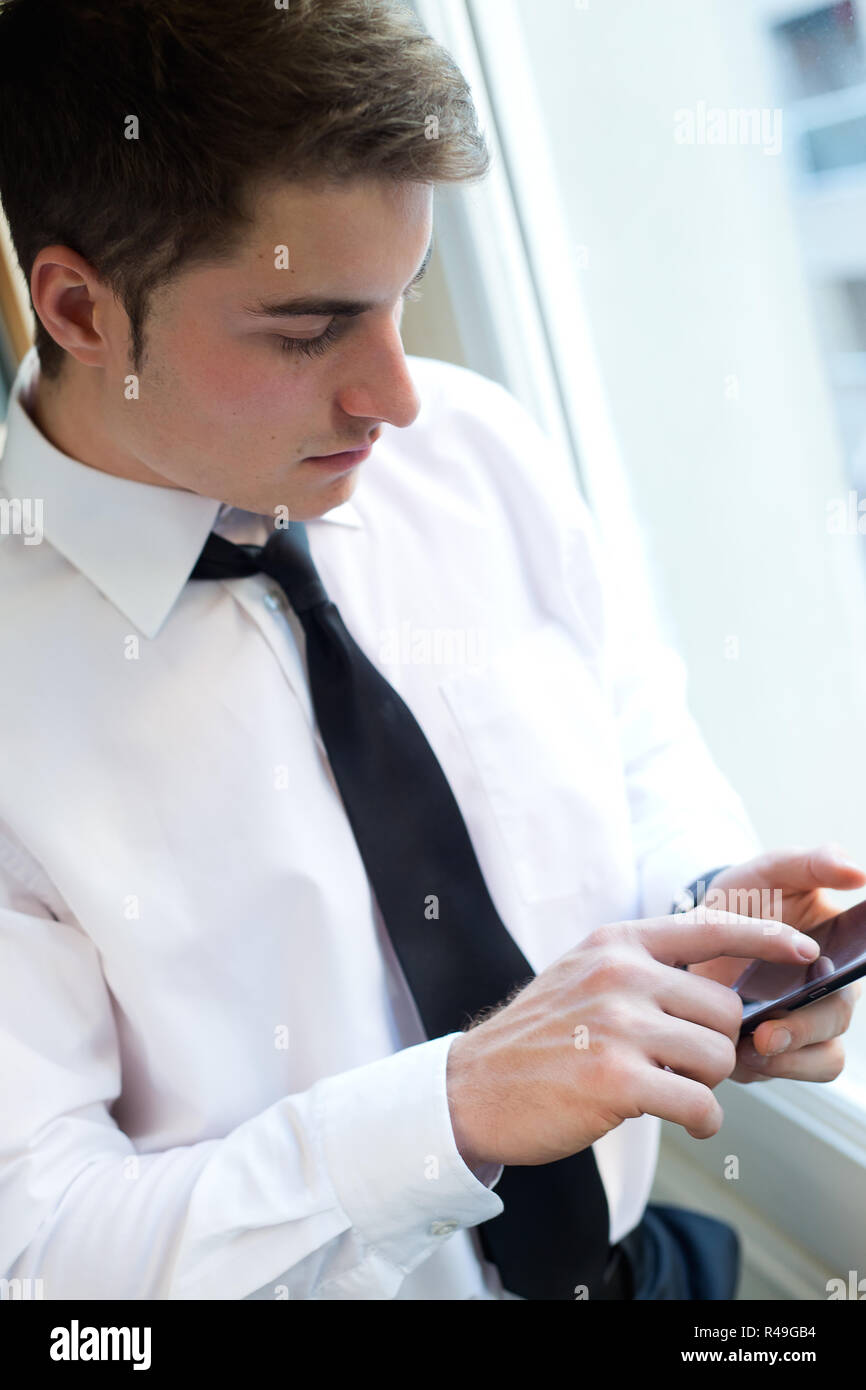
274 600
443 1228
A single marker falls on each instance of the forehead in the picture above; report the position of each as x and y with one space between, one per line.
357 243
337 232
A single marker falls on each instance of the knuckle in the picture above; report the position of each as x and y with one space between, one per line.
734 1010
621 1018
613 970
703 1111
730 1005
729 1050
640 973
814 857
724 1057
604 938
720 922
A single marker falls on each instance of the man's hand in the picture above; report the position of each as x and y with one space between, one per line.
611 1030
799 878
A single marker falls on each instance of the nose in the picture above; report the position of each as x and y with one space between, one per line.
380 387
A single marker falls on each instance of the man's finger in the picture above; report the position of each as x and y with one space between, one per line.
799 870
817 1022
819 1062
705 933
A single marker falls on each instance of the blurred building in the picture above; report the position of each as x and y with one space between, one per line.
818 54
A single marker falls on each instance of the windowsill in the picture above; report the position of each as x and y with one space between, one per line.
834 1111
795 1153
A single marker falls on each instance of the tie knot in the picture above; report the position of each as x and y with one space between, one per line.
286 558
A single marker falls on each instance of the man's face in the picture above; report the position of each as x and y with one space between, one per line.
225 407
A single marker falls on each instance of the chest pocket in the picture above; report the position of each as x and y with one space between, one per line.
542 741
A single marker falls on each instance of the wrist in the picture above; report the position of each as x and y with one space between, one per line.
463 1103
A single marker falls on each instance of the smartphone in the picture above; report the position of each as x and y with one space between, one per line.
768 988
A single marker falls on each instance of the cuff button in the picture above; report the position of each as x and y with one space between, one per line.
443 1228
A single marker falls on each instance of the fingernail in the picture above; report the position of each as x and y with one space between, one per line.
808 948
779 1040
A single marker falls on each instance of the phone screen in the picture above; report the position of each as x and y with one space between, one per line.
843 944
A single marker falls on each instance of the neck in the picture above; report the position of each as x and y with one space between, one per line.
70 412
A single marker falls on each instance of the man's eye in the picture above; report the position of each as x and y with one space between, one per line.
311 347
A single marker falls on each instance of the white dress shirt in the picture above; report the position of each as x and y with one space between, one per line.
214 1080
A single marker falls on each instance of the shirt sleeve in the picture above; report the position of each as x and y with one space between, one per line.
685 816
338 1192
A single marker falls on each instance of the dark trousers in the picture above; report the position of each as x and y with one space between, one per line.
675 1253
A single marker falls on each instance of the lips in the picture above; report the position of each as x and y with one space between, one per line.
346 459
343 453
353 454
350 449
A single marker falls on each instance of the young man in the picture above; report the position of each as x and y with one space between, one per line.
242 924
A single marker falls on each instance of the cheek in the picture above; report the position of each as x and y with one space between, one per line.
240 383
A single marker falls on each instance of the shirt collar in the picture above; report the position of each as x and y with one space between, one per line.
137 542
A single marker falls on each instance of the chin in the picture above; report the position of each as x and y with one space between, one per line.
303 505
323 499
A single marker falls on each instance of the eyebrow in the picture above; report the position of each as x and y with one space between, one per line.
314 307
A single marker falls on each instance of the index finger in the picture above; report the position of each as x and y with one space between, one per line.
704 933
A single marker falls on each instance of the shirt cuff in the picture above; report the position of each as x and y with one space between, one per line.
489 1173
695 893
390 1151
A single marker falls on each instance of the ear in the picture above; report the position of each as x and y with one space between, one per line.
73 304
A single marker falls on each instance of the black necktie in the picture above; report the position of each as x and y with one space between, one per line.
553 1234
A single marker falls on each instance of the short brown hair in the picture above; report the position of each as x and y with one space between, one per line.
225 93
